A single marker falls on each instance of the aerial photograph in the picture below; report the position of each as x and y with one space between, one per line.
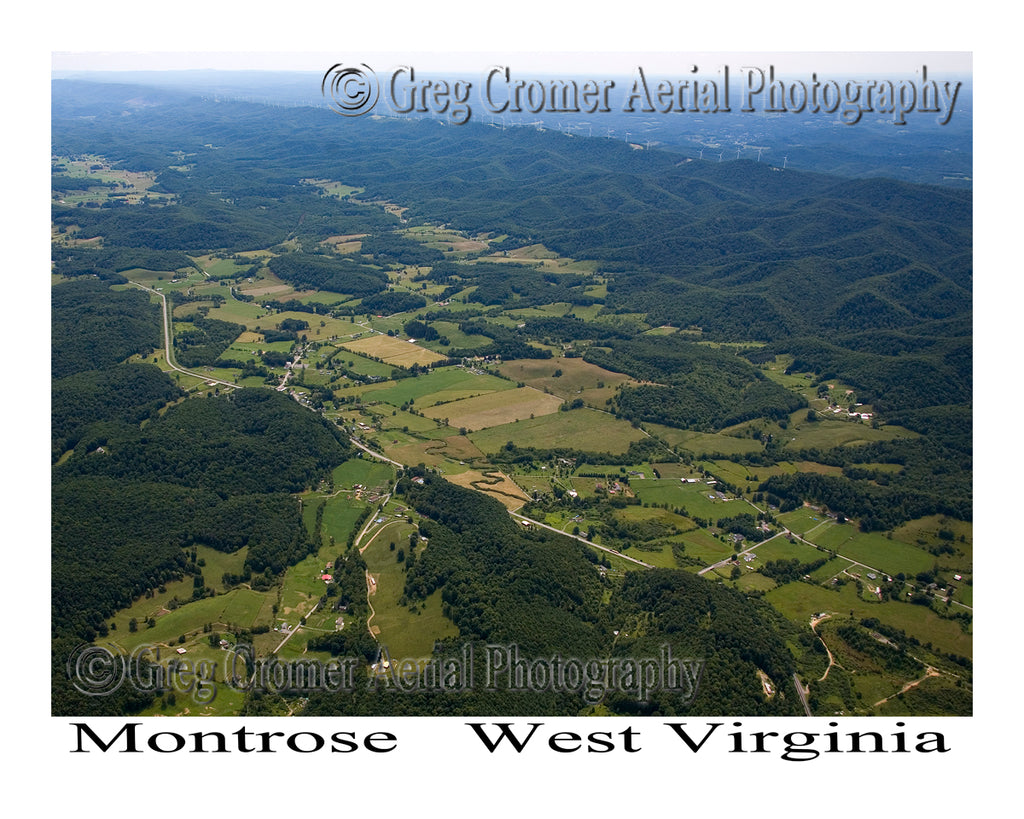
636 387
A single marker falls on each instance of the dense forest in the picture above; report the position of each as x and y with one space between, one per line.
94 327
693 386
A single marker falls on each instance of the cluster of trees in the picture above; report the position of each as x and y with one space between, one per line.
788 571
127 393
500 583
346 595
417 329
509 284
646 449
204 342
877 507
941 375
393 248
253 441
393 301
507 343
322 271
695 386
106 261
892 658
733 635
94 327
742 524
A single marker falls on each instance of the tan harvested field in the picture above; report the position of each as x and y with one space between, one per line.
349 243
393 351
458 447
269 290
348 237
495 409
494 483
585 429
444 452
468 245
579 379
427 453
249 337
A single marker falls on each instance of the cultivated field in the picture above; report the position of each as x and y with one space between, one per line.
495 409
583 429
393 351
578 379
494 483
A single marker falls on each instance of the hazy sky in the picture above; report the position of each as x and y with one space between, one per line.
564 62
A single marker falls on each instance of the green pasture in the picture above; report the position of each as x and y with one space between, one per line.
239 607
704 443
584 429
779 548
439 386
408 631
693 497
804 434
873 549
364 471
798 601
704 547
457 338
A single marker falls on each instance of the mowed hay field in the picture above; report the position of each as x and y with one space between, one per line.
579 379
583 429
496 484
393 351
495 409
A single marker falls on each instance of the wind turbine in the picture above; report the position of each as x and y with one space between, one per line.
785 159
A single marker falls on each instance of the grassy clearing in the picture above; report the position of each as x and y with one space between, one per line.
753 580
363 366
578 379
873 549
583 429
241 608
802 434
693 497
674 471
438 386
427 453
704 547
392 350
407 631
798 601
398 419
494 483
834 566
363 471
495 409
925 533
704 443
